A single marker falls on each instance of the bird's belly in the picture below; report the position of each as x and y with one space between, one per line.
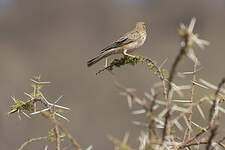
115 51
131 50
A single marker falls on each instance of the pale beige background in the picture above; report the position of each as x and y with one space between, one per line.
55 38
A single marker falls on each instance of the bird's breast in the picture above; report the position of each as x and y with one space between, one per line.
141 41
136 44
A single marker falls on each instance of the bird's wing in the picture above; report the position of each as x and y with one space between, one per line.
126 39
122 41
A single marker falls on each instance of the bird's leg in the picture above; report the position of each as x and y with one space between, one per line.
106 63
126 54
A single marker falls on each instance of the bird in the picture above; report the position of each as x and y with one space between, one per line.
124 45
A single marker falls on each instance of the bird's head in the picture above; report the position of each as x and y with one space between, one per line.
141 26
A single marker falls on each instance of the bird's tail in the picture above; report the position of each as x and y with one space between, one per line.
95 60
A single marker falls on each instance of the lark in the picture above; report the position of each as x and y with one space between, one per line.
124 45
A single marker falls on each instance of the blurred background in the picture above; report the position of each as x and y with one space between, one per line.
55 38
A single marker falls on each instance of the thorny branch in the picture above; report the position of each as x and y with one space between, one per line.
194 78
49 112
32 140
202 142
194 137
142 59
213 115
